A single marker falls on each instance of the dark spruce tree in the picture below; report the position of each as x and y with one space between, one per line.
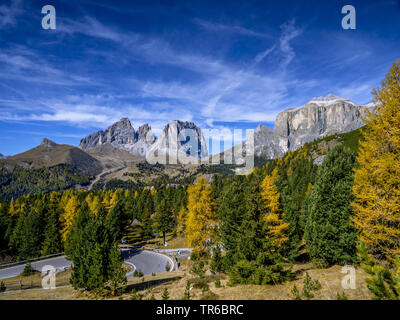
96 259
163 220
329 237
250 235
52 240
116 221
294 178
27 237
147 220
117 275
89 271
5 221
230 210
258 261
80 221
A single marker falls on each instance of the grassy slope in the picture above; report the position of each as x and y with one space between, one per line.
45 168
175 282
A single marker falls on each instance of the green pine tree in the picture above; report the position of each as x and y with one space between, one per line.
165 295
117 275
383 282
294 177
216 260
147 224
91 256
80 221
231 207
5 221
329 237
116 221
52 240
163 220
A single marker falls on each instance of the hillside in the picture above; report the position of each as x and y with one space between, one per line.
49 154
47 167
317 149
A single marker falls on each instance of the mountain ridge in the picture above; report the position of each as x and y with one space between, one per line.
51 154
320 117
121 135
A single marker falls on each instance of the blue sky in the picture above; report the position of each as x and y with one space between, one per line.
218 63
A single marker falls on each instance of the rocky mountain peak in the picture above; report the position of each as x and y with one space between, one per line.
125 121
121 132
329 100
144 133
180 125
169 140
48 143
121 135
261 129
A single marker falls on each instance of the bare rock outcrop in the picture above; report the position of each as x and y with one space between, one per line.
123 136
318 118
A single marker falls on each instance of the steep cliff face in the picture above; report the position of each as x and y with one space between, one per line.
269 144
144 138
180 138
121 135
318 118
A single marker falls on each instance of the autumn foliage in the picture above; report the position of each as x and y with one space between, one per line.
201 219
377 180
276 228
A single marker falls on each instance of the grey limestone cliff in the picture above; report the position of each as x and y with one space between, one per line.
318 118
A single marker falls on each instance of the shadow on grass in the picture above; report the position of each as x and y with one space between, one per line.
150 283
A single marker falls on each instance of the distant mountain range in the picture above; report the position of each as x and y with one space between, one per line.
118 153
123 136
293 127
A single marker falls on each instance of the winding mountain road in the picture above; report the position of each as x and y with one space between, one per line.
146 261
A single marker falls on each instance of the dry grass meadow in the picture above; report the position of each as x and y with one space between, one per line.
153 287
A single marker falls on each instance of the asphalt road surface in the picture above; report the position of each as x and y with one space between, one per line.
60 263
145 261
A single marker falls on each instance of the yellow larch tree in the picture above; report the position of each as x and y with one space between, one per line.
94 204
201 217
111 199
377 179
11 208
107 199
274 216
67 219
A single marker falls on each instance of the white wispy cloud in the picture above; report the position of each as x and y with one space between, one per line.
91 27
234 29
226 92
10 13
23 64
231 93
259 57
289 32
